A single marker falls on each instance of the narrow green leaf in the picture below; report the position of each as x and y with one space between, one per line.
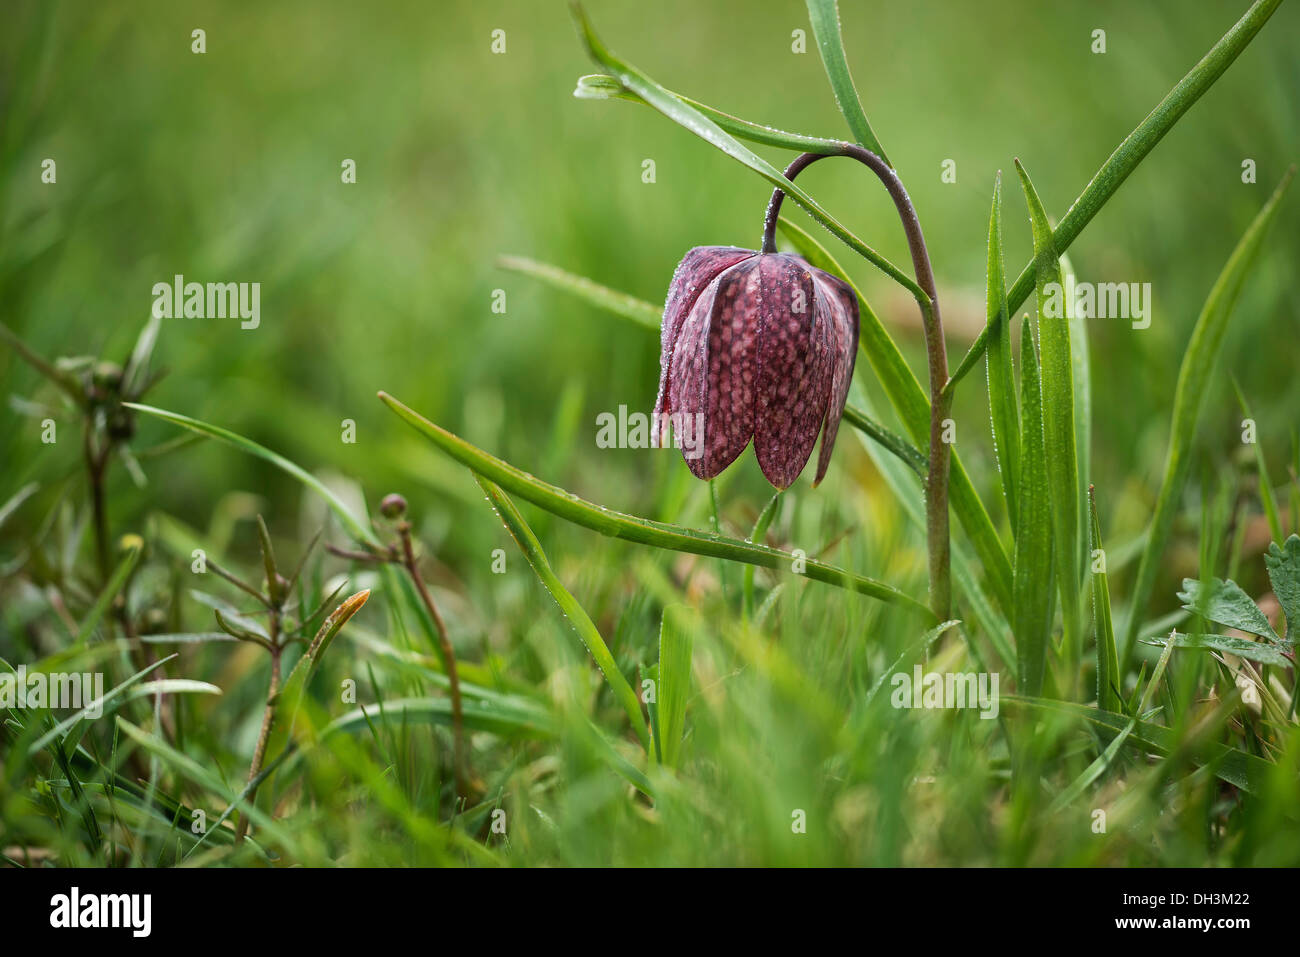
1057 371
1189 397
912 404
699 124
620 304
1092 772
1135 147
1033 564
825 17
1108 675
1283 563
630 527
350 522
758 535
570 606
1260 651
1004 409
1238 768
600 86
1225 603
1082 380
97 708
477 716
674 682
16 500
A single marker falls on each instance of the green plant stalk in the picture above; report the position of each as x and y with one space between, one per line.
1189 397
573 610
913 408
1130 153
459 757
938 544
633 528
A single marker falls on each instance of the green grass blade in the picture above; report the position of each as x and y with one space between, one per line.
1238 768
620 304
825 17
1131 152
600 86
761 526
1260 651
116 581
1033 564
912 404
633 528
1004 409
350 522
508 724
570 606
1092 772
62 378
1189 397
1109 691
1266 496
1056 368
699 124
109 697
674 682
1082 380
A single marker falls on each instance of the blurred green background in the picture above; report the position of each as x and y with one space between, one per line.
226 167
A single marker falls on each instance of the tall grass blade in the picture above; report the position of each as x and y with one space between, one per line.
577 616
825 17
1131 152
674 682
1189 397
1004 407
1109 692
1033 565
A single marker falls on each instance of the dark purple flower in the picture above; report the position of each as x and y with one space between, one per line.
755 345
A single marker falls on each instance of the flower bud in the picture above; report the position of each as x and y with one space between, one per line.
393 506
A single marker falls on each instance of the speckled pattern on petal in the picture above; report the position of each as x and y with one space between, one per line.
794 368
698 268
842 306
730 357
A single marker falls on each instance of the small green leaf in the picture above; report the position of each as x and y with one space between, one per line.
1266 495
1225 603
1265 654
116 581
1283 563
620 304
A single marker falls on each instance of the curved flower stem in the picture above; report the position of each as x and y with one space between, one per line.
936 498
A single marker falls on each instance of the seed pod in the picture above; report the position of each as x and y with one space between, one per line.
762 346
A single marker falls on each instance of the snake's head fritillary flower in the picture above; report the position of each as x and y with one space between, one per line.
761 346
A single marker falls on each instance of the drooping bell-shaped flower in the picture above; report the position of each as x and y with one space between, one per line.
755 346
